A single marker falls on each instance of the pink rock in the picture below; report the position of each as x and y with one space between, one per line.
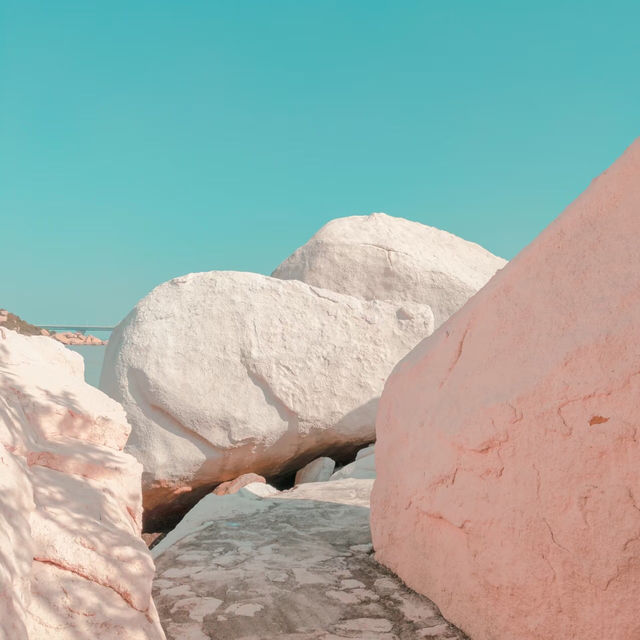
70 337
233 486
72 562
508 459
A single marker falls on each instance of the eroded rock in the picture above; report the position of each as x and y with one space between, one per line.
283 373
72 563
379 257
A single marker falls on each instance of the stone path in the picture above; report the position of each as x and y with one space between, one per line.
295 566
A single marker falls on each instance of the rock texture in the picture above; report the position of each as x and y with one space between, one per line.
363 467
378 257
72 563
318 470
295 566
508 452
283 373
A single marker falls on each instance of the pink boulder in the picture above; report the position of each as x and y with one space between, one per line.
508 443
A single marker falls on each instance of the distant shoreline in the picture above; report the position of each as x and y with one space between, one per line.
16 323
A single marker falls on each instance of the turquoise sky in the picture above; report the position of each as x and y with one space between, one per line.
143 140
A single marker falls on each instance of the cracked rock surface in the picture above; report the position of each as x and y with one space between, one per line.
72 563
379 257
508 449
296 566
225 373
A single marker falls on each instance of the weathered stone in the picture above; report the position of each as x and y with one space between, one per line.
508 459
379 257
283 373
72 563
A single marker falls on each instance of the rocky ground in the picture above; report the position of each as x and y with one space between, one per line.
296 565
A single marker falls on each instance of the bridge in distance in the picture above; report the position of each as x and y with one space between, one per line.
76 328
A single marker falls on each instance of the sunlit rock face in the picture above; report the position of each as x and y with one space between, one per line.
379 257
72 563
508 452
225 373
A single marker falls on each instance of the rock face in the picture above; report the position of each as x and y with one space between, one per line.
508 458
283 373
378 257
318 470
297 565
72 563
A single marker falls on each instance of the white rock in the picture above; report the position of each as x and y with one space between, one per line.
363 467
72 563
318 470
223 373
386 258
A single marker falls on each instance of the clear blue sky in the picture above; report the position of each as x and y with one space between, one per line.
143 140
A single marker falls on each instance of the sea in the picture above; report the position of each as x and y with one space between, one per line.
93 357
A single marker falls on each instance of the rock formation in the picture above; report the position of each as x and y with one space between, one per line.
75 337
223 373
508 458
72 563
293 565
378 257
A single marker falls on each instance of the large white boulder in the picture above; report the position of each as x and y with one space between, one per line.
224 373
386 258
72 563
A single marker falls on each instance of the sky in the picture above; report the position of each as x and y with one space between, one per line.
143 140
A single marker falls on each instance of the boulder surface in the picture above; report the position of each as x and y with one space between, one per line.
508 458
379 257
296 565
72 563
225 373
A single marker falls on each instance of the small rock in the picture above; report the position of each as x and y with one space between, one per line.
233 486
318 470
